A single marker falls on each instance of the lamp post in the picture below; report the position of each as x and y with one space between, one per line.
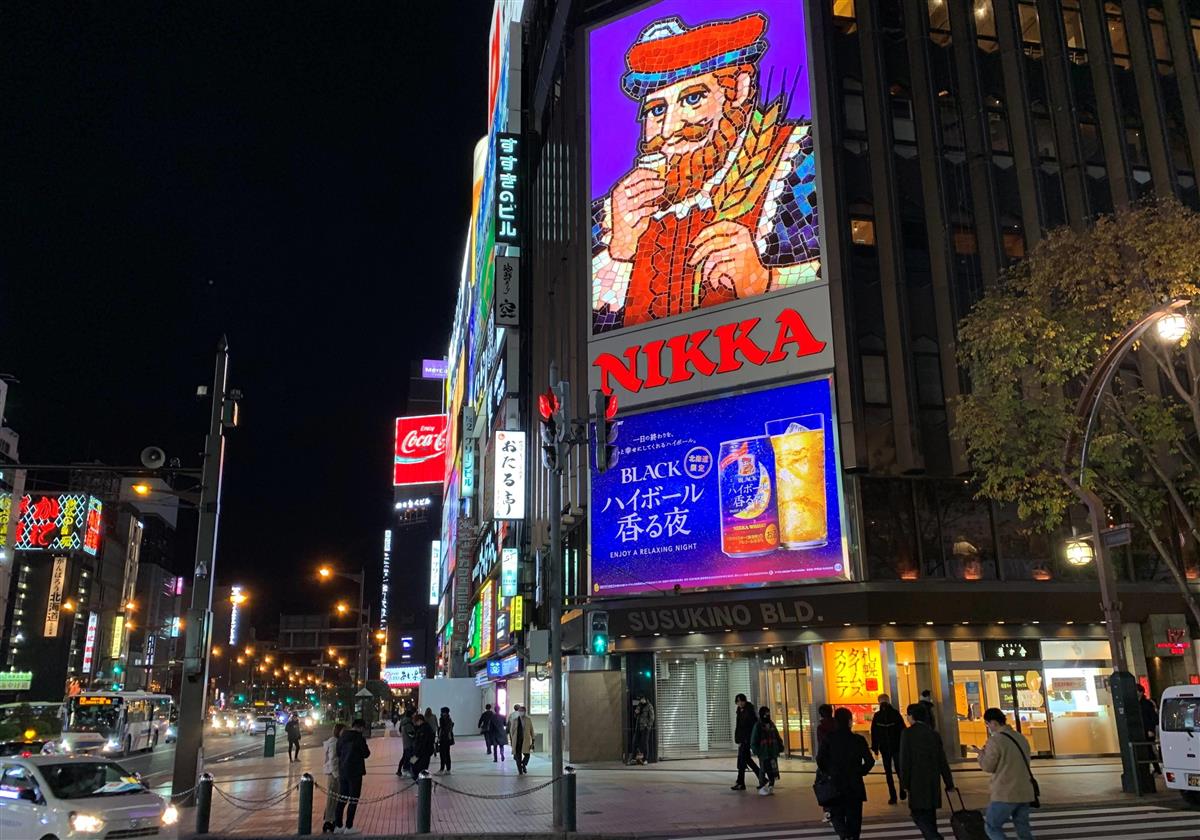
1171 327
364 615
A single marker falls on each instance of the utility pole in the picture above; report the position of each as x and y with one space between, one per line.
562 446
189 745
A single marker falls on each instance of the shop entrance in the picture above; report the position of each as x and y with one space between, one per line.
1021 695
790 700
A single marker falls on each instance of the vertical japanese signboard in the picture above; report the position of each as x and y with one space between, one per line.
508 291
89 642
386 582
487 620
737 491
117 643
509 492
508 572
435 556
508 191
58 581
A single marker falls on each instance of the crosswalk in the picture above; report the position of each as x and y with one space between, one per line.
1132 822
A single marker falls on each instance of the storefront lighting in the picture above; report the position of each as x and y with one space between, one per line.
1080 552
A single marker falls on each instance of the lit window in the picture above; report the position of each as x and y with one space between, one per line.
843 16
985 26
862 232
1031 30
1073 30
1014 243
939 22
964 241
1116 35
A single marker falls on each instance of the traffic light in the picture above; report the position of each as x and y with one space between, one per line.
604 417
598 632
548 429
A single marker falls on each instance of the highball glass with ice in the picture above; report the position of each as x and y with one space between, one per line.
799 444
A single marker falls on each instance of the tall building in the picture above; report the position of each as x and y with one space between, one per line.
758 226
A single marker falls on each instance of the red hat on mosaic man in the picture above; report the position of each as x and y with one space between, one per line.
668 50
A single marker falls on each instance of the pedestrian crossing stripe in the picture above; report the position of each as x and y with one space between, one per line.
1145 822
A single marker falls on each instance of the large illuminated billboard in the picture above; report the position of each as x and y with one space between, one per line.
420 450
59 523
703 186
737 491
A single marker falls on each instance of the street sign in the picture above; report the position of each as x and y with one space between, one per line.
1117 536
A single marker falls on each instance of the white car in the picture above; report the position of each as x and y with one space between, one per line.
49 797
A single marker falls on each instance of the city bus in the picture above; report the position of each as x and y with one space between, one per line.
115 721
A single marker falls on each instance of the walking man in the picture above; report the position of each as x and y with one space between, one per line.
923 769
886 728
1006 757
743 726
1149 724
642 726
520 737
927 701
499 734
292 728
352 753
485 729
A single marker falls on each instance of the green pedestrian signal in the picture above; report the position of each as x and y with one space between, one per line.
598 633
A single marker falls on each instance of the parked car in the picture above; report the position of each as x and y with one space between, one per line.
72 796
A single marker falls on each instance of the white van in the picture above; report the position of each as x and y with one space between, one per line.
1179 736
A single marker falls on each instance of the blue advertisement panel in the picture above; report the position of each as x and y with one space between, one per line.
737 491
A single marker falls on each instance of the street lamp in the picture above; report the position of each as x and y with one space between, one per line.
141 488
326 572
1170 327
1079 552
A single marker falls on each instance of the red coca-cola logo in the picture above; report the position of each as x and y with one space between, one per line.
423 439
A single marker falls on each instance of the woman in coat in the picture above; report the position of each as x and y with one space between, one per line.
846 758
766 745
445 738
923 770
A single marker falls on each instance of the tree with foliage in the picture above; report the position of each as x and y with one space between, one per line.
1032 341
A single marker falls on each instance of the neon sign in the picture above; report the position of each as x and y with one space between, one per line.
65 522
420 451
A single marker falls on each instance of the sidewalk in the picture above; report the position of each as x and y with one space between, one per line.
666 798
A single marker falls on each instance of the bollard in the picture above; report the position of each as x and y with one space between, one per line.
306 799
424 802
203 802
568 794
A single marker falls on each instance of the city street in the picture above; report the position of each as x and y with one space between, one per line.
671 799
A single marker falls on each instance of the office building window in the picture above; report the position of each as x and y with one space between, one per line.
1073 30
952 134
998 126
1116 35
862 231
985 26
1014 242
903 130
852 107
939 22
1162 47
843 16
1089 139
874 375
1031 30
965 243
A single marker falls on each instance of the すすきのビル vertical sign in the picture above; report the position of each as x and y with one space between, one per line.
742 490
706 260
420 450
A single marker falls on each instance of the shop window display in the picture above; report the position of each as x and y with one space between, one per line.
1081 711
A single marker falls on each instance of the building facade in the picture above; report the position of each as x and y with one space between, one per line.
759 228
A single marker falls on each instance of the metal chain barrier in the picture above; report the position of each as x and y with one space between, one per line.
511 795
256 804
188 792
339 798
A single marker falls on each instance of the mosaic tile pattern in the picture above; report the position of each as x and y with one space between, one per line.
734 214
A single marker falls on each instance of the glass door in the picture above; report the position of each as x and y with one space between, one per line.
1022 697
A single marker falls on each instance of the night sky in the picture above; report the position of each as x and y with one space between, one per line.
295 175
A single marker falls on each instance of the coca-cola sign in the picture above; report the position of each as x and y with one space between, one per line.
420 450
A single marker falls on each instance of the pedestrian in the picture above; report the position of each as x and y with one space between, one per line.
744 721
923 765
825 725
330 768
429 715
423 744
406 734
395 718
499 734
292 728
1150 725
520 737
1006 757
886 728
445 739
485 729
845 758
352 755
767 746
643 726
927 701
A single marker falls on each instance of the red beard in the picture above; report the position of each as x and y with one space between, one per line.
686 173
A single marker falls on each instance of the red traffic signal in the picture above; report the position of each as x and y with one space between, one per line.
548 405
610 407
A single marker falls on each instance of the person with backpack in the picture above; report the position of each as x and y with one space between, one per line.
445 738
923 767
767 745
1005 757
886 728
845 759
744 721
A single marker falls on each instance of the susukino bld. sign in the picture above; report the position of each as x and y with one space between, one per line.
727 492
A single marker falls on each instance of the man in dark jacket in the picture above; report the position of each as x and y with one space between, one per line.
485 729
293 737
352 755
927 701
406 734
743 726
499 729
886 728
1149 721
923 766
423 740
846 758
